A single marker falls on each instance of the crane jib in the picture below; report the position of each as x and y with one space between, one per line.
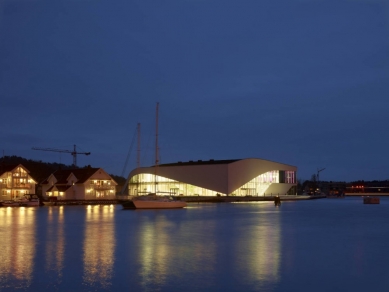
72 152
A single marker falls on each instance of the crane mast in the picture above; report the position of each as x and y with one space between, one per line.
318 171
72 152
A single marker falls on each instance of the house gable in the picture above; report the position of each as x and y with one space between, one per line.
72 179
51 180
100 174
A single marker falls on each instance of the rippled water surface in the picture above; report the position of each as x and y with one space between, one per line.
316 245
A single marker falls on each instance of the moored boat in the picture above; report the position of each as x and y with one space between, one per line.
152 201
371 200
26 201
10 203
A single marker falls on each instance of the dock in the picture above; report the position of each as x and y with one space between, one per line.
233 199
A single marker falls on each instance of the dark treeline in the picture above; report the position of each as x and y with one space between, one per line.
40 170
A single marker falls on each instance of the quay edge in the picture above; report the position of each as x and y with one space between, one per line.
233 199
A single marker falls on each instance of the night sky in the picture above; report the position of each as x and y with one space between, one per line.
304 83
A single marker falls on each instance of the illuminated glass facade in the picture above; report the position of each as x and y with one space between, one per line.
145 183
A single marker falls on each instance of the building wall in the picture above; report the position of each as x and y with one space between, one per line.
242 171
50 182
97 186
78 192
214 179
279 189
16 183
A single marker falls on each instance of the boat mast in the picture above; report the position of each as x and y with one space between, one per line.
138 150
156 148
138 161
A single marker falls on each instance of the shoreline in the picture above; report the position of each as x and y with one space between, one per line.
190 199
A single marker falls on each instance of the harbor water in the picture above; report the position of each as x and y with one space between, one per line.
312 245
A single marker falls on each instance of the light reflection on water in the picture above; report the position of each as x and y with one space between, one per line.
99 246
17 245
55 248
167 246
264 250
205 247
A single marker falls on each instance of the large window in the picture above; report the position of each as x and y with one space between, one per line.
145 183
290 177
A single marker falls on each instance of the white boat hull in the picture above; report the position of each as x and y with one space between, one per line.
158 204
10 204
21 204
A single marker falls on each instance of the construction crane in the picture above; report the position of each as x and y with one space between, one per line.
318 171
73 153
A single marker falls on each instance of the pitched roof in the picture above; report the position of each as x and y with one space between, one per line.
59 188
62 188
82 174
9 167
62 175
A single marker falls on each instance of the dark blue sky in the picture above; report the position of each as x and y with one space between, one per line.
304 83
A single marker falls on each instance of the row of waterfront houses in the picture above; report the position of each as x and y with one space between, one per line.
235 177
71 184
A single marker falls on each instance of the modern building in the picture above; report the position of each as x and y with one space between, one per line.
239 177
15 182
79 184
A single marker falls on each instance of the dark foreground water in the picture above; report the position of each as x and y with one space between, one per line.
317 245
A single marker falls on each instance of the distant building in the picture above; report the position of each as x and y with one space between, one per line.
79 184
324 187
239 177
15 182
367 187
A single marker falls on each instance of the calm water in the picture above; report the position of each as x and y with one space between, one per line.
317 245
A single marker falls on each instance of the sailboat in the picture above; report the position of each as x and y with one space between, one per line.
152 200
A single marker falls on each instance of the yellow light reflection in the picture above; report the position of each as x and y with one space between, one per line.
56 249
160 253
263 251
99 246
17 244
